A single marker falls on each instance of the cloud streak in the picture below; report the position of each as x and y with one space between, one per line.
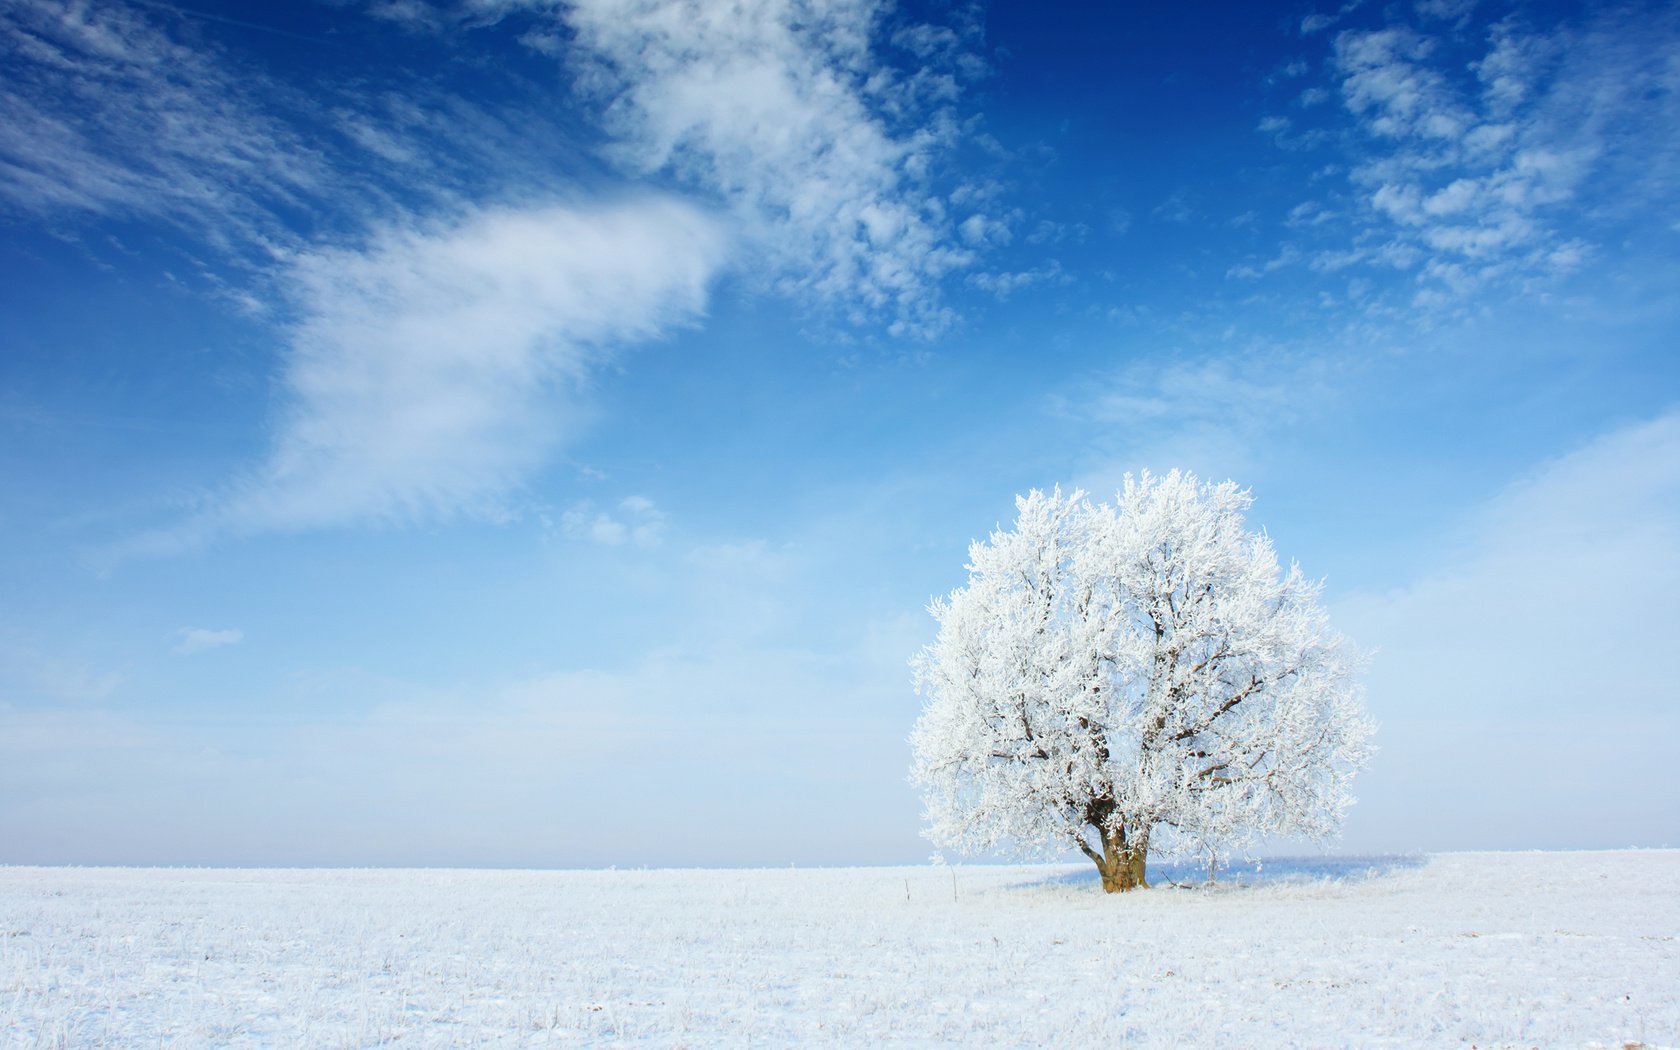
192 640
112 111
427 373
1215 413
102 111
636 520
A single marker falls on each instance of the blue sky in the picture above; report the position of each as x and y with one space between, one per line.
509 432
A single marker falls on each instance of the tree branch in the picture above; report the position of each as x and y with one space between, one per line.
1085 847
1254 685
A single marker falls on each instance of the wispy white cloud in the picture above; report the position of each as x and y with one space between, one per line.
1245 390
1446 10
190 640
103 111
1213 413
1481 172
1004 285
1316 23
1497 153
1046 231
427 373
636 520
1177 207
1319 21
117 110
780 108
1471 180
1288 255
421 369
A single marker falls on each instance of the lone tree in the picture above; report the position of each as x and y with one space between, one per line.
1134 678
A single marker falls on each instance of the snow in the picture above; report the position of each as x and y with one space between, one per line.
1483 949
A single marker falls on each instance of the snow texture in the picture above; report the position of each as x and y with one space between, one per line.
1513 949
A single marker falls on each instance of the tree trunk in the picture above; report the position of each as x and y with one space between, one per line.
1123 859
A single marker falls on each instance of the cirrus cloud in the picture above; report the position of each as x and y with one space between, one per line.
426 374
192 640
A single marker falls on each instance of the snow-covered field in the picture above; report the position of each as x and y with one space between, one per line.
1487 949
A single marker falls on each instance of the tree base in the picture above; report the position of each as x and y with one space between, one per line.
1122 863
1125 876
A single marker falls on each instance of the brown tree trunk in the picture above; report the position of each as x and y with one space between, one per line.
1123 860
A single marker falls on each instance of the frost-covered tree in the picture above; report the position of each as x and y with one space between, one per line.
1131 679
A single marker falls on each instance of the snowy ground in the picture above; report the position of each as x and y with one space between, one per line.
1514 949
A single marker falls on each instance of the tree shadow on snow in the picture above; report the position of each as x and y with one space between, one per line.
1266 871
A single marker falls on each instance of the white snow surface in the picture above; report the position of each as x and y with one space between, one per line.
1470 949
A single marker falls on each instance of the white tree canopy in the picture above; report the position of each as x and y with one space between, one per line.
1131 679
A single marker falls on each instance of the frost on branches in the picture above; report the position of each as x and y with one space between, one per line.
1134 678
